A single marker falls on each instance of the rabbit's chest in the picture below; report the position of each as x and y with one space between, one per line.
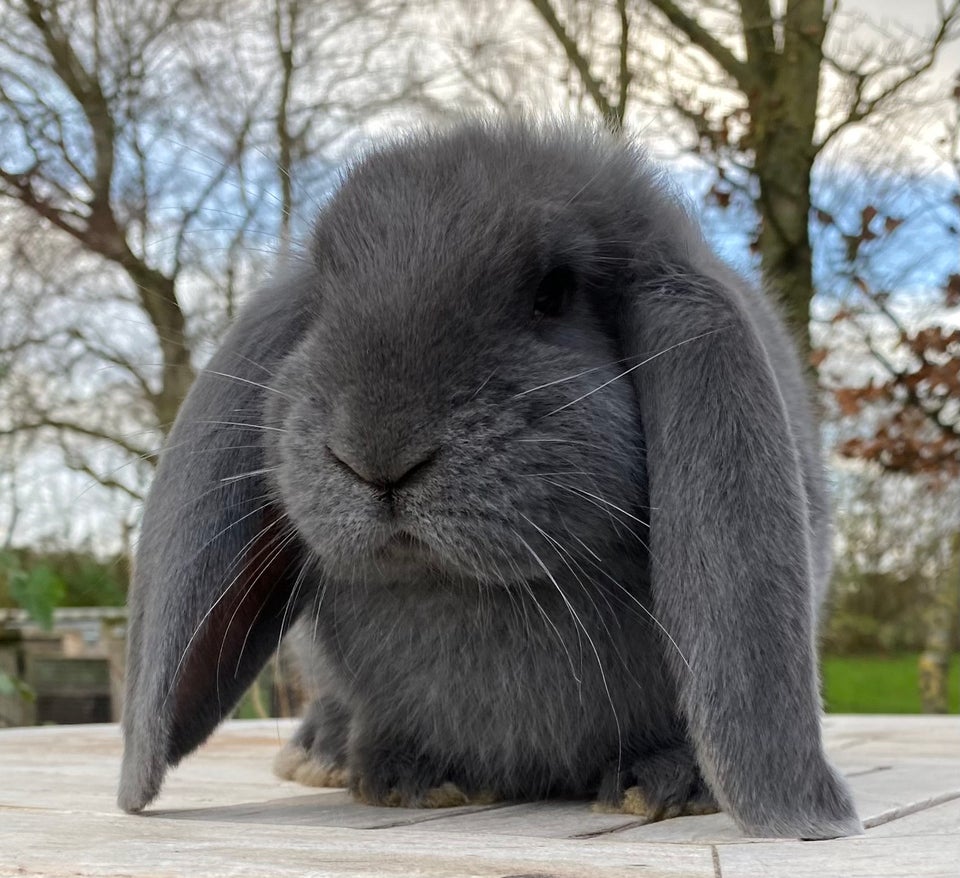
497 679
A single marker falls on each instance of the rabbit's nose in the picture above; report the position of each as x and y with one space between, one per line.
385 478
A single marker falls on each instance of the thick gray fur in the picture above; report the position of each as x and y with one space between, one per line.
533 554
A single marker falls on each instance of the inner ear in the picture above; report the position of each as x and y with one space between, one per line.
238 635
555 291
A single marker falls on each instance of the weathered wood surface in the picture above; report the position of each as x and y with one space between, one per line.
223 813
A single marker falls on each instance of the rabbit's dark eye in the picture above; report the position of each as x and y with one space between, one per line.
554 292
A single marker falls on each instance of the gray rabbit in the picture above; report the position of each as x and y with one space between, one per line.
535 478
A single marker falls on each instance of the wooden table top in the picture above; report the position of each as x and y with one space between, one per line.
223 812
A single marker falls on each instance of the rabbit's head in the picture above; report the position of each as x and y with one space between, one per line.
501 334
461 381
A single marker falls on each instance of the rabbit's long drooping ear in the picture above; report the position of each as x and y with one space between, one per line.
730 546
214 573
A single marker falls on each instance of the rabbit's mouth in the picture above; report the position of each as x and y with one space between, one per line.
405 556
405 545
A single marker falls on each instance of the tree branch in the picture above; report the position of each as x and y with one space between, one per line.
757 23
284 35
189 215
745 77
87 91
932 413
81 430
117 360
592 85
859 108
105 481
22 184
624 76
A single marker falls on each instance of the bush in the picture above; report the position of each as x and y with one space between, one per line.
40 582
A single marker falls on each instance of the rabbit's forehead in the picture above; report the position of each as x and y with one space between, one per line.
400 325
406 226
414 274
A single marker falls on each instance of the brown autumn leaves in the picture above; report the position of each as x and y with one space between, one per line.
914 409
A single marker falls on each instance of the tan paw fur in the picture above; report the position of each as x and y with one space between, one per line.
695 809
295 763
447 795
634 802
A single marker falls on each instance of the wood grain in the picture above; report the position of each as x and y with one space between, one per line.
223 812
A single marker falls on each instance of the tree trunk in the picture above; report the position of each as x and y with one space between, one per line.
158 296
784 117
934 664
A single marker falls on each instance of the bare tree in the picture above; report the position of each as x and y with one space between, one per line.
758 90
902 413
155 159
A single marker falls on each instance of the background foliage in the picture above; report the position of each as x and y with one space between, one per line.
159 157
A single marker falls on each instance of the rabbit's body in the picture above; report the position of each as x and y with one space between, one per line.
539 478
490 695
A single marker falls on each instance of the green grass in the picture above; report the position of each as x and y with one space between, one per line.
879 684
857 684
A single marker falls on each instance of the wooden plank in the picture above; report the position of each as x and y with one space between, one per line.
905 784
95 846
941 819
229 780
79 766
706 829
870 736
863 857
535 820
223 812
322 808
881 794
92 786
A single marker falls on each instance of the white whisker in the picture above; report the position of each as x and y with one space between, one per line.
596 497
579 621
569 377
546 617
275 552
631 369
255 472
632 597
266 387
241 424
486 381
213 606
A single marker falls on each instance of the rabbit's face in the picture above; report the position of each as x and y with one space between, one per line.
455 406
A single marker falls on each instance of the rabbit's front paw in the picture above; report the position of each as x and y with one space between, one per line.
446 795
391 773
396 774
636 800
316 755
658 785
298 764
